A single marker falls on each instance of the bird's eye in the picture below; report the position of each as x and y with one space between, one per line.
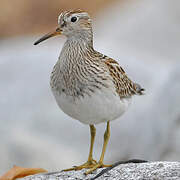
74 19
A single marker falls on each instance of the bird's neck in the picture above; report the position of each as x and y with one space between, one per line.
81 39
76 47
74 54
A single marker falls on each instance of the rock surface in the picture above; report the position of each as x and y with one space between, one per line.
131 171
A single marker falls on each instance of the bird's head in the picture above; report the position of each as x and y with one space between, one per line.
71 24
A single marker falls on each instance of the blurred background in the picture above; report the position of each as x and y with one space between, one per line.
144 36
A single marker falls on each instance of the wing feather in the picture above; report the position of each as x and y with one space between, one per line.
124 86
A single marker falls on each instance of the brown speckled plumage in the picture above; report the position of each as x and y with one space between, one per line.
124 86
83 66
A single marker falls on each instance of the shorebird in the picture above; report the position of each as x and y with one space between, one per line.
88 85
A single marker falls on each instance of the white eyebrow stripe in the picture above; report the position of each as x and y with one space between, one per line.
80 14
65 16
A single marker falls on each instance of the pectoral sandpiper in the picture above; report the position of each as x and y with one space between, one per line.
87 85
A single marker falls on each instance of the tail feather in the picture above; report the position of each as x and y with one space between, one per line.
139 89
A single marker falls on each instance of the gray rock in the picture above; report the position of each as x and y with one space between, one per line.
131 171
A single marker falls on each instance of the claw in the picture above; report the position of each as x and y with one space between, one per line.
96 166
89 164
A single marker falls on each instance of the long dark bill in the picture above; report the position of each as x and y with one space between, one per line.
49 35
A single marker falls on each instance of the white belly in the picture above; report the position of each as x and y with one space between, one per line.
101 106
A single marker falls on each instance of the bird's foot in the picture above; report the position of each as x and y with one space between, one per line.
96 166
89 164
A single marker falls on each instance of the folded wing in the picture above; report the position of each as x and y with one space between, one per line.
124 86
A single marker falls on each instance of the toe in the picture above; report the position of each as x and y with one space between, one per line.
87 165
99 165
94 161
96 166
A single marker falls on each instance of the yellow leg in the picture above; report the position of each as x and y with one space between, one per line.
90 162
100 163
93 134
